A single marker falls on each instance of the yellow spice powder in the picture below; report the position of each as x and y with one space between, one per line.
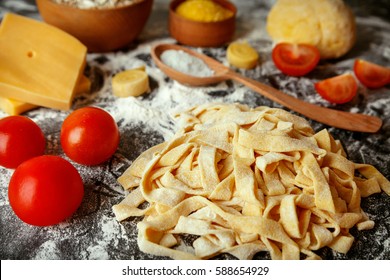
203 10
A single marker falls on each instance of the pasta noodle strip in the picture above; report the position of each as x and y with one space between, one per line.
268 162
276 143
173 156
131 177
340 164
129 206
246 188
294 223
370 171
322 193
166 196
207 164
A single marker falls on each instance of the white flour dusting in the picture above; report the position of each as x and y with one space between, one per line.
157 113
186 63
93 232
89 4
48 251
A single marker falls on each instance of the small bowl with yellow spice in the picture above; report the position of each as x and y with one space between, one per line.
202 23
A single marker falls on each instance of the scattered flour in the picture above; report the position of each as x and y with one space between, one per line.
157 114
48 251
107 236
97 252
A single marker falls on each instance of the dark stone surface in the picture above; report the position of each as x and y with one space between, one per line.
93 232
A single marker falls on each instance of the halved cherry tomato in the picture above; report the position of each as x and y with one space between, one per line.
295 59
45 190
89 136
20 139
339 89
370 74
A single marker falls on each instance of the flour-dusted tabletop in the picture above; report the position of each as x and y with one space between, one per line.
93 233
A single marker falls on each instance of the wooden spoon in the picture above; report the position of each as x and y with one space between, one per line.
336 118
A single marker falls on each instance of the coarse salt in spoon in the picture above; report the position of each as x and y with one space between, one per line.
331 117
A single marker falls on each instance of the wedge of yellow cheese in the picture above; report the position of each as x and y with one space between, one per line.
83 85
39 63
14 107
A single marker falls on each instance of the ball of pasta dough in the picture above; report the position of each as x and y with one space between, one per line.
327 24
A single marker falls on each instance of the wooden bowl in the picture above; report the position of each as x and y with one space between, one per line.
202 34
101 30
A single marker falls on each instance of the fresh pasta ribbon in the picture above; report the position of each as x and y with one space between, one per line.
244 181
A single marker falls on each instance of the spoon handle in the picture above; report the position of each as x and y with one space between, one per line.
336 118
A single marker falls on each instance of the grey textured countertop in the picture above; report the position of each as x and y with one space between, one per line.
93 232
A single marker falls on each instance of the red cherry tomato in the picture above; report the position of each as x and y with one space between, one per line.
339 89
295 59
45 190
370 74
89 136
20 139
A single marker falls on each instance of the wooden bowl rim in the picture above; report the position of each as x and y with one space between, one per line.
225 3
93 10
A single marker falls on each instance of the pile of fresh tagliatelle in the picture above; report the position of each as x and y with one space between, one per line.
247 180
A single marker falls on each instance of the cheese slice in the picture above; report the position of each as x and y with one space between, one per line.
39 63
133 82
15 107
242 55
